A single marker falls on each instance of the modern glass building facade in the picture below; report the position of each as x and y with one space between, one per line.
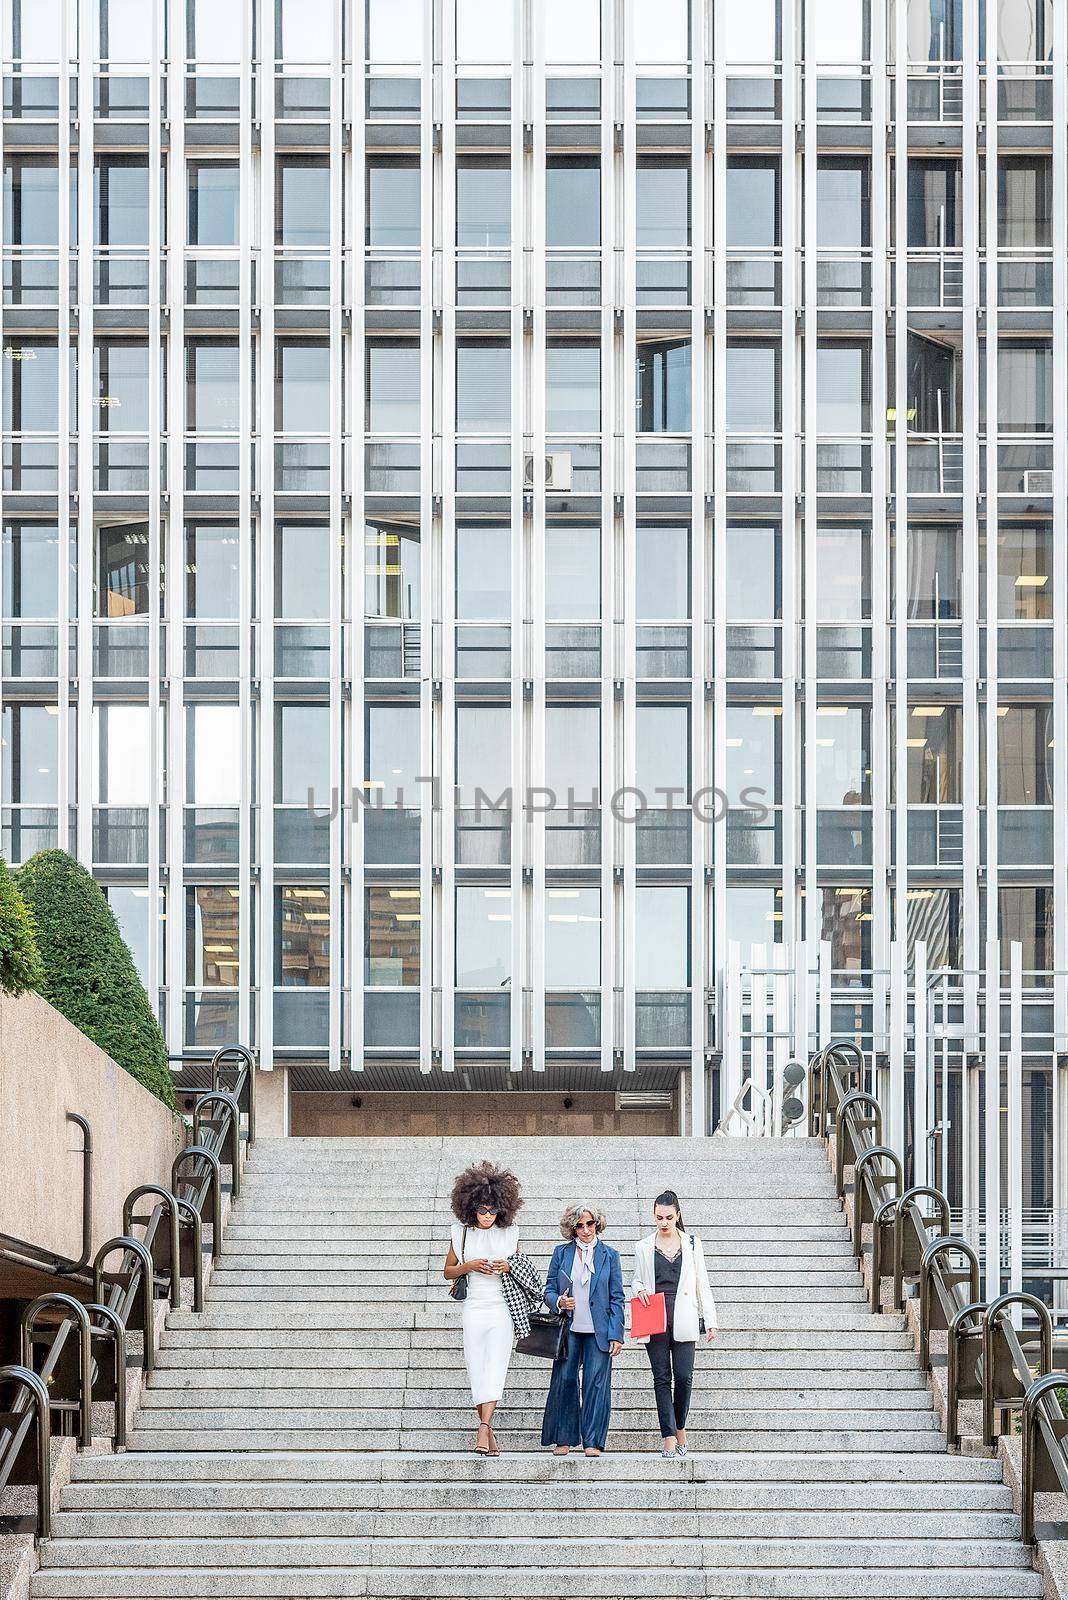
609 403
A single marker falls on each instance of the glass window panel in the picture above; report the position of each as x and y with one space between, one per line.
1024 757
121 200
302 571
572 938
754 571
753 388
483 31
31 754
573 751
837 30
1025 571
392 387
31 569
845 924
935 214
662 201
302 937
663 386
31 29
934 571
302 201
661 30
483 572
393 217
122 755
213 573
126 31
130 907
483 387
843 574
843 204
214 202
483 751
754 915
395 30
753 202
483 201
302 386
1025 914
754 753
662 936
572 30
1025 30
662 572
31 389
1025 387
391 570
1025 203
751 32
933 746
392 938
212 385
302 755
123 573
840 755
572 572
215 32
31 200
572 388
212 936
304 30
213 755
392 759
483 937
843 387
572 200
662 753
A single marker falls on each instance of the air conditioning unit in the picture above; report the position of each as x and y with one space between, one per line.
557 471
644 1100
1038 482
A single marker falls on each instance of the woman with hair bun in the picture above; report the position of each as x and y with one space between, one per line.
485 1202
671 1262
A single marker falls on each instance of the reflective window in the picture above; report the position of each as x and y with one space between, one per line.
213 755
215 33
934 571
662 201
214 202
395 30
935 214
572 200
123 577
302 937
1025 386
213 575
754 915
754 755
843 203
302 570
572 572
1025 202
840 755
754 570
483 571
393 201
30 569
1025 30
753 201
483 752
31 28
483 201
31 387
662 754
212 936
391 938
1024 757
572 387
304 31
120 201
302 754
30 754
212 385
1025 571
31 200
302 386
753 388
843 573
391 755
391 570
483 31
483 937
1026 914
661 30
663 386
933 750
572 30
573 752
392 386
662 576
122 755
662 936
302 201
572 938
843 387
751 32
837 30
483 386
126 31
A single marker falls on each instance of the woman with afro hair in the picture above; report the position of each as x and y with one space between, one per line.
485 1202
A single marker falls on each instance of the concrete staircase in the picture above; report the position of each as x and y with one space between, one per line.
310 1433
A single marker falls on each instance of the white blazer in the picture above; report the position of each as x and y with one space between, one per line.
694 1299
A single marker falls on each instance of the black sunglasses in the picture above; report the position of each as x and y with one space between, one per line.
585 1225
486 1211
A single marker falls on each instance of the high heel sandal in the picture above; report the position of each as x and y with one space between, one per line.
494 1449
483 1449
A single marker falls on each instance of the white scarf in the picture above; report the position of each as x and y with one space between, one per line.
584 1257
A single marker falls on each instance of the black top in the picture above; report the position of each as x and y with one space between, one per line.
667 1280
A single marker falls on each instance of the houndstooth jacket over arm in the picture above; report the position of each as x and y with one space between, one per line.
523 1292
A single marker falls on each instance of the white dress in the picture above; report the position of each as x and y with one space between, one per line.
488 1331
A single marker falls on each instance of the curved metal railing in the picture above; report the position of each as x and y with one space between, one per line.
911 1242
59 1376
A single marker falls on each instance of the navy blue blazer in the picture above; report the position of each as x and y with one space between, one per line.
607 1300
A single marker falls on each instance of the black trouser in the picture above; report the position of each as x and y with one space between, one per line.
672 1362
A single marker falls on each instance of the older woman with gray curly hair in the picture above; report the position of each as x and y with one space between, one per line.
585 1280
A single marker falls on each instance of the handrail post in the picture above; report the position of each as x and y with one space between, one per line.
1037 1392
197 1229
117 1334
957 1331
215 1186
167 1199
77 1314
230 1133
16 1373
907 1207
87 1192
996 1313
147 1288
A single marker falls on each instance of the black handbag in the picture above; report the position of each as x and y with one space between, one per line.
547 1337
458 1286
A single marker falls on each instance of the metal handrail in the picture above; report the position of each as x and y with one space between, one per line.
1044 1429
1019 1376
196 1176
908 1207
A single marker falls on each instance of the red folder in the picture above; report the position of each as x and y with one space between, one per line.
652 1318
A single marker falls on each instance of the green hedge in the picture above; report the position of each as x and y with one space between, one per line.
89 973
20 960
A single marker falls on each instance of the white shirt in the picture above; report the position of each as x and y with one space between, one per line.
484 1244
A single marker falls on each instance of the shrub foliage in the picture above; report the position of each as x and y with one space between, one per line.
20 961
89 973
